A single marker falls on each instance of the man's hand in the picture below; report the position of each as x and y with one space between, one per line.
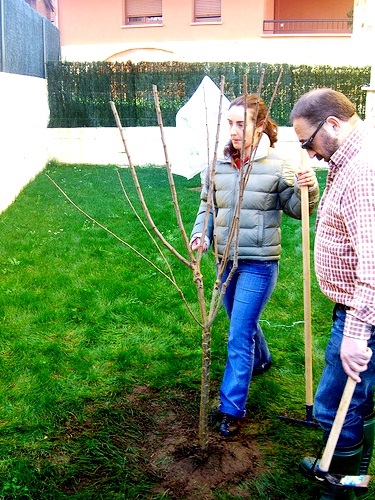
355 356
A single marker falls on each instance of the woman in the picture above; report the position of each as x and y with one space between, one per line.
273 187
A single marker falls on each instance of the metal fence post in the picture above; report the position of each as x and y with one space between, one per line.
44 46
2 35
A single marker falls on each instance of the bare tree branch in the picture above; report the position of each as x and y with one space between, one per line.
170 175
140 194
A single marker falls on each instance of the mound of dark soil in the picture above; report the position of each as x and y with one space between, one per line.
182 469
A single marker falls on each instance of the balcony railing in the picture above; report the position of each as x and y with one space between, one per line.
312 26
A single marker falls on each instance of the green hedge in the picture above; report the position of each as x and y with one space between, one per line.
79 93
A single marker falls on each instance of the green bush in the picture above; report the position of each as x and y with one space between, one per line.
79 93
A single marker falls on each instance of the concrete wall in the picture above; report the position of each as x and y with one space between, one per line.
23 124
104 146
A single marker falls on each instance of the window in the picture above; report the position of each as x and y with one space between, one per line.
207 11
141 12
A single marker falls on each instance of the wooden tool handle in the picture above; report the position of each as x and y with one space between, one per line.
305 215
307 293
346 398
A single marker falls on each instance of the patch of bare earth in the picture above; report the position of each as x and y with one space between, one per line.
178 462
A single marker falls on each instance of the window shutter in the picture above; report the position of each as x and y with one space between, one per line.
207 8
142 8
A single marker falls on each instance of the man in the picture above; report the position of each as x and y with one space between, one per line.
329 129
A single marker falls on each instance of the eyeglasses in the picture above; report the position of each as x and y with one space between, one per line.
308 143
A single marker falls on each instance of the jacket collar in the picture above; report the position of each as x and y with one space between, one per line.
261 151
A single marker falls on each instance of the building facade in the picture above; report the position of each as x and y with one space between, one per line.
46 8
273 31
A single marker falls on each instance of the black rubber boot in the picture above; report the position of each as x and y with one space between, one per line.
368 444
344 461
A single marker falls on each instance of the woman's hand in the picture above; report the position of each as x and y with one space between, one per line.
306 177
195 244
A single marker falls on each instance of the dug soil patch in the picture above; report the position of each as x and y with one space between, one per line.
176 460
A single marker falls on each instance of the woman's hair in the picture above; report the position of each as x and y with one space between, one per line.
258 106
316 105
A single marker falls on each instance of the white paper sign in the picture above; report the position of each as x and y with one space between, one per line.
196 129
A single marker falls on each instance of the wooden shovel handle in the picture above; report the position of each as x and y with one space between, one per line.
305 215
307 293
346 398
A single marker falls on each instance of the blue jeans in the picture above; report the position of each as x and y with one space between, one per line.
245 298
332 383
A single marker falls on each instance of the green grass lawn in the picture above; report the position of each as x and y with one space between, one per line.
85 322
